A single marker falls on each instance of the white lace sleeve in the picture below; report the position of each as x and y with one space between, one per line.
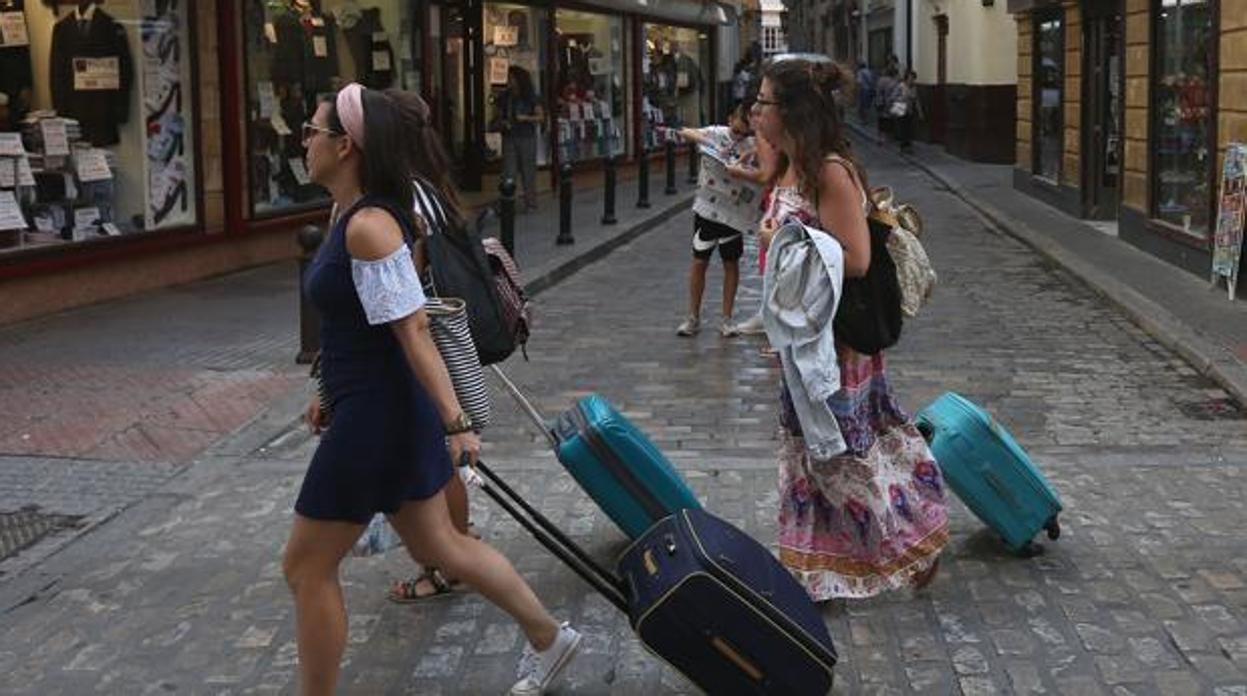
388 288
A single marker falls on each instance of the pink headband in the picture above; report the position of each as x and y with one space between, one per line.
350 106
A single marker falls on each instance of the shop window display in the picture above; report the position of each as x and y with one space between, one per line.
95 120
1049 80
1185 43
675 67
298 51
591 95
513 37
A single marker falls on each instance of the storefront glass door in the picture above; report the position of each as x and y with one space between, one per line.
1104 109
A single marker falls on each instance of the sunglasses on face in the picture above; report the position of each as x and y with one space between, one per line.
759 102
311 129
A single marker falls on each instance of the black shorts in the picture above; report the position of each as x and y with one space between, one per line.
708 234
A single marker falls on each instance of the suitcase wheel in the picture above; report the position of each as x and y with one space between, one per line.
1031 550
1054 529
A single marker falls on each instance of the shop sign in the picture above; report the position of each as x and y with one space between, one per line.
15 171
91 164
1227 244
55 137
11 145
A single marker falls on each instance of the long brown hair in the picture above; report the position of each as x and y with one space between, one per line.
425 151
808 109
384 169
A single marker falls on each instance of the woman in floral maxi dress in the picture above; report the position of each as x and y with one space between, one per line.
874 517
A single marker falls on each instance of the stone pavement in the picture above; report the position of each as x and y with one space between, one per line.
1146 592
1180 309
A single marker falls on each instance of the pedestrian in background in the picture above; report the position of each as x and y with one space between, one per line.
437 206
397 425
520 111
865 92
719 220
883 95
905 110
872 518
759 168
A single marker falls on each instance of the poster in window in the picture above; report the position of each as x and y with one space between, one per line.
97 74
1227 248
506 36
13 30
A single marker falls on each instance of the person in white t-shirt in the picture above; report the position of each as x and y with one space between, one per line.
724 209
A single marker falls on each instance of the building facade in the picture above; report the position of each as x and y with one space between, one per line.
144 143
774 27
1124 111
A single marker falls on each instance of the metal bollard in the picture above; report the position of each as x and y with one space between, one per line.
694 159
565 205
642 178
670 168
608 205
309 238
506 213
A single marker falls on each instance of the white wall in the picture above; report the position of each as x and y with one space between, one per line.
981 42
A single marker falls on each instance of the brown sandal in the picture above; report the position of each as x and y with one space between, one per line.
921 580
408 591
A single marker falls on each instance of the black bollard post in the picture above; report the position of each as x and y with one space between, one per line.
608 205
670 168
506 213
642 178
309 238
694 160
565 205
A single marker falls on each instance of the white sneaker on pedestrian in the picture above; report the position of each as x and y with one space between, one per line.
538 670
689 327
752 326
727 329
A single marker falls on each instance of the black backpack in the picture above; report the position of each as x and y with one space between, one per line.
869 317
460 268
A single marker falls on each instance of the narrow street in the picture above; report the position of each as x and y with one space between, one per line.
1145 593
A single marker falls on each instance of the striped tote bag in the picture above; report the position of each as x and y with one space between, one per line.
448 323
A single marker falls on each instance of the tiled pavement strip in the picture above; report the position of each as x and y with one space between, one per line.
1145 592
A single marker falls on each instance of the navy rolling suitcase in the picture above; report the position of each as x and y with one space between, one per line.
706 598
613 461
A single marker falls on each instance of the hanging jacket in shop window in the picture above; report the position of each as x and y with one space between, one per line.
100 111
288 53
371 50
16 74
320 54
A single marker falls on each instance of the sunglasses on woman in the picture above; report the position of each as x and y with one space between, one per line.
311 129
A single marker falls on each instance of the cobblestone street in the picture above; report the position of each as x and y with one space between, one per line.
1145 592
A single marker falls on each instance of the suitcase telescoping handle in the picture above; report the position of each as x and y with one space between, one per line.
527 406
545 532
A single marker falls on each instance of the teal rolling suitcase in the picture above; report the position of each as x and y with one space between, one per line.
991 474
613 461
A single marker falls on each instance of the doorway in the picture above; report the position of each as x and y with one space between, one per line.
1104 108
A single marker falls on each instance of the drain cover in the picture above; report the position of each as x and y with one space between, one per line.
1213 410
20 529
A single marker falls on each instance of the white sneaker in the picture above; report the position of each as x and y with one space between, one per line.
752 326
689 327
538 670
727 329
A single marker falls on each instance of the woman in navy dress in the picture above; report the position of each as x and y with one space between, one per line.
393 410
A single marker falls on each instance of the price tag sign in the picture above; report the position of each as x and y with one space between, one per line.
13 30
11 217
506 36
55 137
318 21
498 70
268 99
11 145
381 60
91 165
270 32
97 74
20 166
299 169
86 217
110 229
45 223
320 47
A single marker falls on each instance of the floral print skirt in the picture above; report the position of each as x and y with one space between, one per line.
873 518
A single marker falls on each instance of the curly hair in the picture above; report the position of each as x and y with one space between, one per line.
808 93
